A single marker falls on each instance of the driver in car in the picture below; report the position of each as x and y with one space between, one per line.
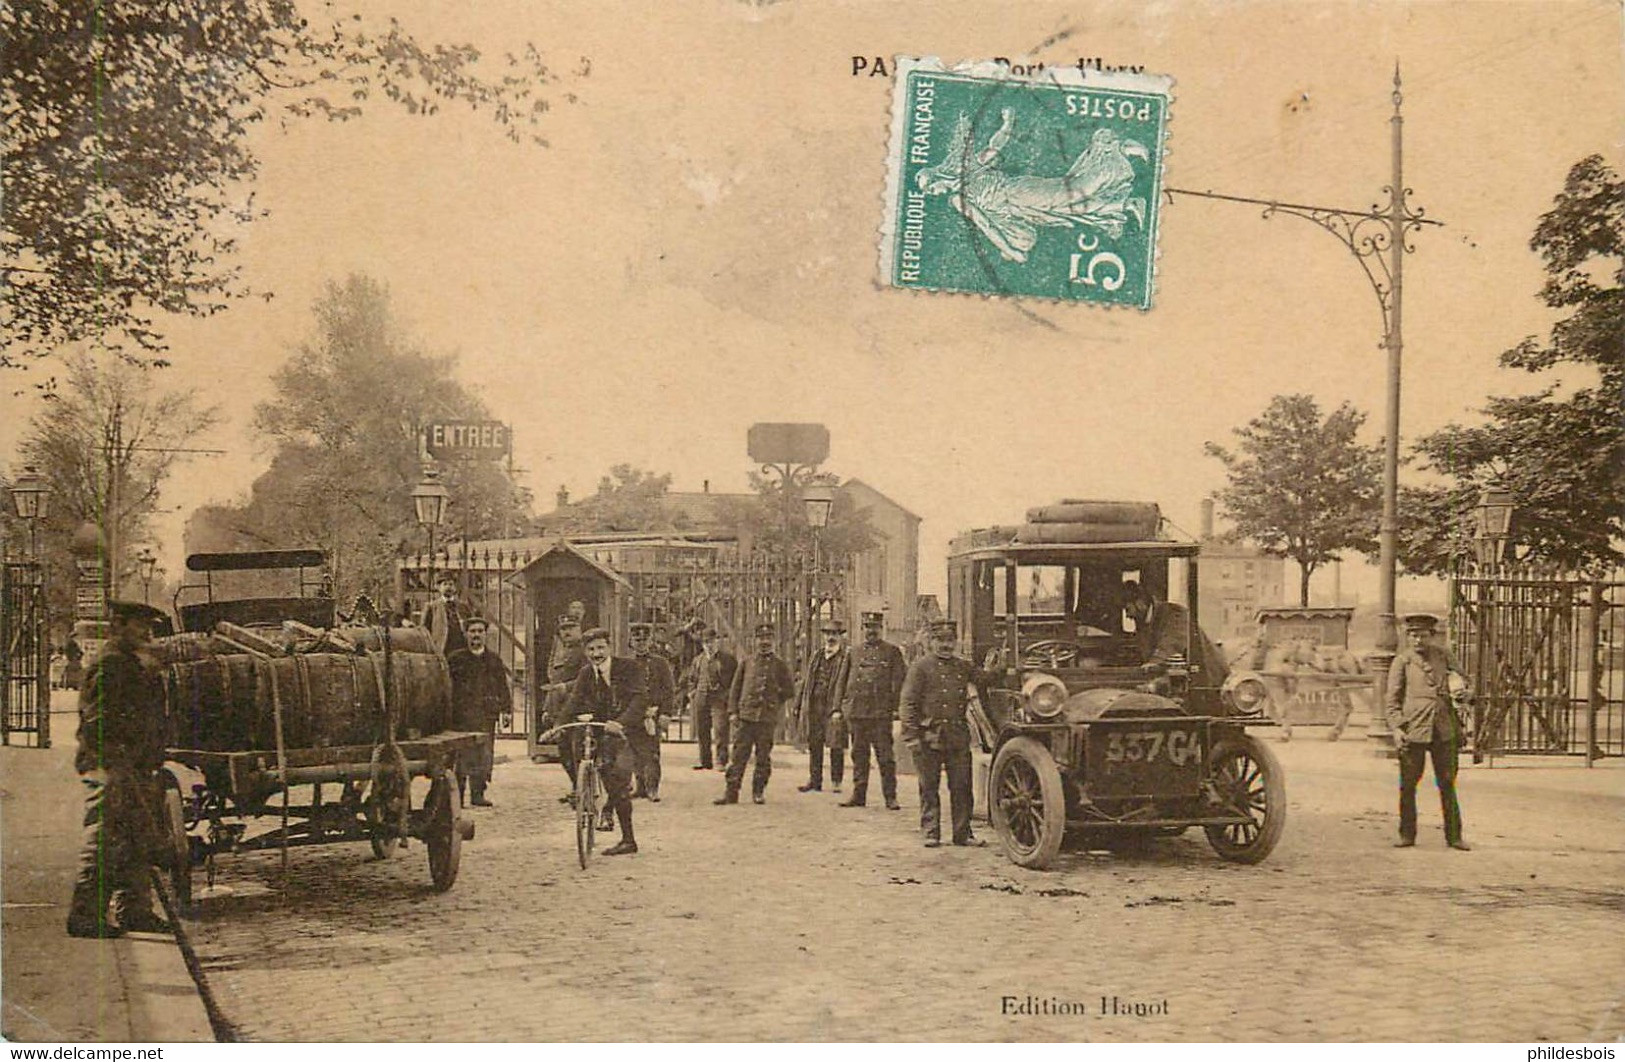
1161 631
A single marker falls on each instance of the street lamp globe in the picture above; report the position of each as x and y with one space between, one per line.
30 494
1494 522
148 562
429 499
818 498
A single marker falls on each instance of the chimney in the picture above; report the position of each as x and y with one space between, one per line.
562 498
1207 519
708 486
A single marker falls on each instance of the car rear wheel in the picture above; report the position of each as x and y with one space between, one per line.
1028 803
1247 778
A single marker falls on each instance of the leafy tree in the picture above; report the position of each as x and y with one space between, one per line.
106 441
1302 487
1561 452
346 421
127 150
774 521
628 499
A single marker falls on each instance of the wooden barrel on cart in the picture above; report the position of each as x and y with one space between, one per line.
227 702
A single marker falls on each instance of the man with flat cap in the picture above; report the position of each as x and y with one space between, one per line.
710 677
868 695
933 703
121 746
821 712
481 691
1421 711
762 689
611 689
564 664
644 734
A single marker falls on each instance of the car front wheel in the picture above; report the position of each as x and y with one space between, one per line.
1247 778
1028 803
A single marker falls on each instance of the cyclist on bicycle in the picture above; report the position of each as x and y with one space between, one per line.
612 689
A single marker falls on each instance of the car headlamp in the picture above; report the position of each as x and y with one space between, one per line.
1044 695
1249 696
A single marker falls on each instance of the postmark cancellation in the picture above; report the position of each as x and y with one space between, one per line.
1044 185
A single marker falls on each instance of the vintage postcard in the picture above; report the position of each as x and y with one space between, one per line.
769 521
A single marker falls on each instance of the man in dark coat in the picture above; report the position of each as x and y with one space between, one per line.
1162 630
612 690
932 706
644 737
710 677
821 711
564 664
121 747
1422 714
481 691
762 689
868 694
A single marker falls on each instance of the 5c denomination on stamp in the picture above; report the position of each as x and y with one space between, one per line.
1045 185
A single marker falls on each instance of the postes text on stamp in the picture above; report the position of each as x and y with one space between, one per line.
1043 185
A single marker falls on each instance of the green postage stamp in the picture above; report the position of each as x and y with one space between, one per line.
1046 186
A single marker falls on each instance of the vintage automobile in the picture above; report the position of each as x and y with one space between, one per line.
1090 737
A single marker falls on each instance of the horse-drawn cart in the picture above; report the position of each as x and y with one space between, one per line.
266 696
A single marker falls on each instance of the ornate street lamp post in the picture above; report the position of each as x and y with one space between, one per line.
429 502
146 564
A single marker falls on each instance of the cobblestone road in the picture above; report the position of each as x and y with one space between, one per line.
800 920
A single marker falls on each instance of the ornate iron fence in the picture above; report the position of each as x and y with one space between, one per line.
1544 651
25 689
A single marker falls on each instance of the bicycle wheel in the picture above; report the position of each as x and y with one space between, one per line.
586 809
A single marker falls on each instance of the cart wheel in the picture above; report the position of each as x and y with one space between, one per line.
1248 777
444 838
586 809
1028 805
180 849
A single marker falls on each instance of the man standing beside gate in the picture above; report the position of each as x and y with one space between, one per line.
1422 713
121 747
762 689
480 692
868 695
821 711
709 679
644 734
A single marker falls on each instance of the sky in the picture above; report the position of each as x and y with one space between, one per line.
696 249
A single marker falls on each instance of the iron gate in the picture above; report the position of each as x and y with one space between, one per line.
25 689
1543 652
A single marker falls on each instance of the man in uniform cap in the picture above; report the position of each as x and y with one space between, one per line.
563 665
710 677
762 688
933 705
121 747
644 734
868 696
480 692
1421 711
821 711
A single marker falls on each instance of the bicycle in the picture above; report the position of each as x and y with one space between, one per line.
588 786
